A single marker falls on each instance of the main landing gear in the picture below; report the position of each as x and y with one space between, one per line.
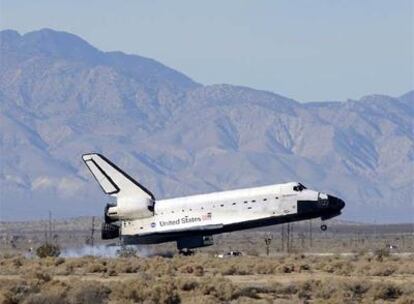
185 252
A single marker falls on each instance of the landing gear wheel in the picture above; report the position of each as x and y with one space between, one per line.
324 227
186 252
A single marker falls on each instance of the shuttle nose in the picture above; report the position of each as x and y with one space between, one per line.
335 203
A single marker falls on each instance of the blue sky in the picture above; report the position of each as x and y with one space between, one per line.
307 50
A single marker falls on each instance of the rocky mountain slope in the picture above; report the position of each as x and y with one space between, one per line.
60 97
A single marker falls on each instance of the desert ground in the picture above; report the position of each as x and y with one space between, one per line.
203 278
351 263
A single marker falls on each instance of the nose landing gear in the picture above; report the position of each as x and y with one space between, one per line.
324 227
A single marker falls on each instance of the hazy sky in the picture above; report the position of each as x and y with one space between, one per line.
307 50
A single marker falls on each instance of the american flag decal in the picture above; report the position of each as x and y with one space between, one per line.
206 217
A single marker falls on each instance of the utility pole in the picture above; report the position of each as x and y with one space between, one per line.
283 237
90 239
310 234
46 239
48 229
302 240
403 242
92 231
288 238
268 239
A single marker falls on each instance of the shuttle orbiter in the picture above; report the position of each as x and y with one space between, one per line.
138 218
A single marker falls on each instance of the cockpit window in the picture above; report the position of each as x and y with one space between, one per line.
298 187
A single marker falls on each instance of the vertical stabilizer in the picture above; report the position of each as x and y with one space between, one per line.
133 199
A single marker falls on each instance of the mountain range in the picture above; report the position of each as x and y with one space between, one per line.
61 97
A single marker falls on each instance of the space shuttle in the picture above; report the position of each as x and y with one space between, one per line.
137 217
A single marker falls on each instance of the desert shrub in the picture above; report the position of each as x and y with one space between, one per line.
187 269
43 276
285 289
129 268
88 292
187 284
198 270
159 266
218 287
147 289
126 252
44 298
34 288
75 263
111 271
202 299
246 269
363 268
6 297
304 267
163 291
37 277
128 265
407 290
130 290
305 289
269 268
236 267
381 253
356 289
96 267
385 291
48 250
405 300
69 269
346 268
13 265
56 287
249 292
59 261
17 262
406 267
299 256
48 261
382 270
338 267
20 290
7 255
286 268
229 270
327 289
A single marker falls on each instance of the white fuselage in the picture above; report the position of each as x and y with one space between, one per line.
218 209
138 218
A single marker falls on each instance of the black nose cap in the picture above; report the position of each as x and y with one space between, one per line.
335 203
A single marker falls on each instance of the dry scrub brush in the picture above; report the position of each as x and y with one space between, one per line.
144 288
204 279
202 264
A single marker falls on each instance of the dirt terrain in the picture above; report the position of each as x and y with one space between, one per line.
203 278
350 263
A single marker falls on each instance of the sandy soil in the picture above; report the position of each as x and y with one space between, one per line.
241 280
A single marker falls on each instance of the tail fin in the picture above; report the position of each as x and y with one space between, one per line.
113 180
